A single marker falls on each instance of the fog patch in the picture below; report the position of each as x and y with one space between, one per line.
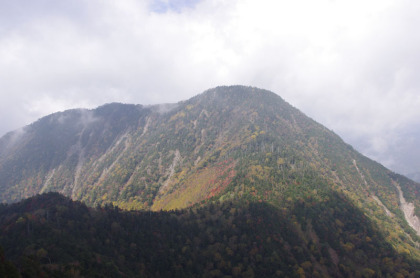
82 117
87 117
8 141
164 108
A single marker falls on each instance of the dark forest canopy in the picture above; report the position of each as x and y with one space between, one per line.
50 235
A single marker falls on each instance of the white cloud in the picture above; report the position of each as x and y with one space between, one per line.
351 65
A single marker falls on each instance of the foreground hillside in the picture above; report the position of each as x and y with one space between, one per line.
52 236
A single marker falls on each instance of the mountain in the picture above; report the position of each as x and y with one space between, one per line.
414 176
239 147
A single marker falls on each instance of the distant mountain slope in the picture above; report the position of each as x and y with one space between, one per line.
414 176
226 144
57 146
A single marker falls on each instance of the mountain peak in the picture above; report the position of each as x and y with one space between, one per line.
238 93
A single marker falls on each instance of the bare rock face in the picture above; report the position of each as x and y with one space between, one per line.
409 211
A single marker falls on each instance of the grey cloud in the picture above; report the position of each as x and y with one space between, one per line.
352 65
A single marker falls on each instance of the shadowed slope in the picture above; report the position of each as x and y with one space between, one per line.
53 235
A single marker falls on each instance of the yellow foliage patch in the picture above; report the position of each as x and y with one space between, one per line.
201 185
177 116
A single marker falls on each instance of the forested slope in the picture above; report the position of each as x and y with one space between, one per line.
50 235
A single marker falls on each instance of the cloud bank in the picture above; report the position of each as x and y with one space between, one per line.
351 65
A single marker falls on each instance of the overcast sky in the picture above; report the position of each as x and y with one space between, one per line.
351 65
